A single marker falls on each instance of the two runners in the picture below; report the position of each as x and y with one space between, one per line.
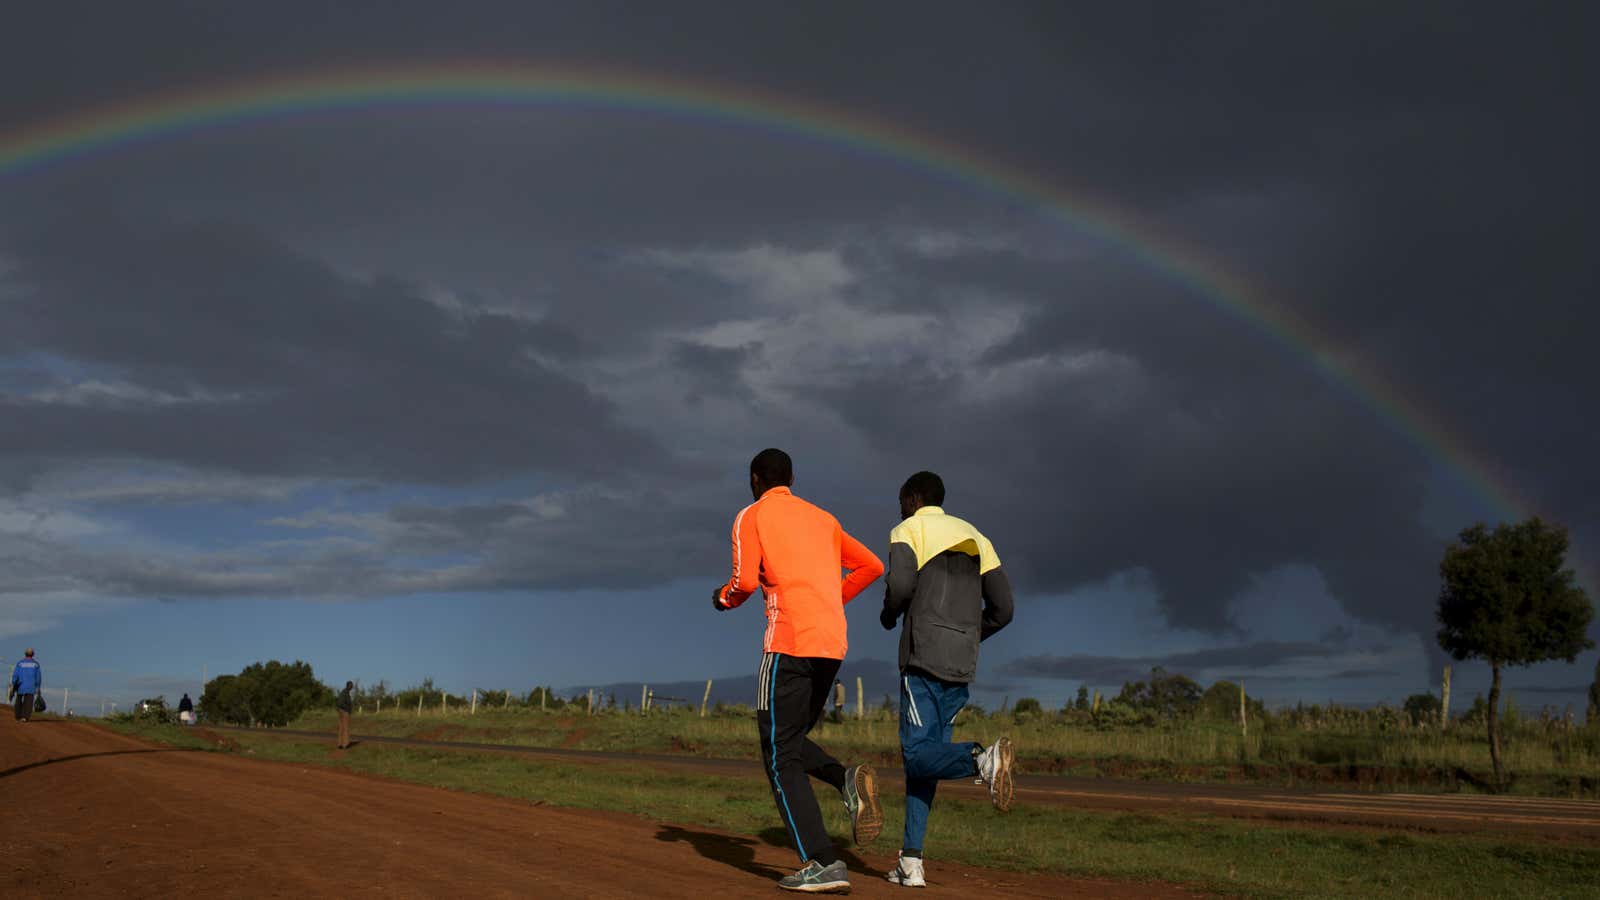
944 579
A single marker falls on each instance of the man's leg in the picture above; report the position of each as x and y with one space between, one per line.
928 708
25 707
817 762
785 711
16 705
344 729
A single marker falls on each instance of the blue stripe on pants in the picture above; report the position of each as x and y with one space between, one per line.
928 708
777 783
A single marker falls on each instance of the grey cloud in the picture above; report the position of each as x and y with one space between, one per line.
1117 669
334 377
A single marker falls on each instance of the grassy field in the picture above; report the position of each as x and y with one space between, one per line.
1556 764
1219 855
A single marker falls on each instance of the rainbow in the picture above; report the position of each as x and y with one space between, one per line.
173 113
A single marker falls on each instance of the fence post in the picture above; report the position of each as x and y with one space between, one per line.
861 699
1444 700
706 699
1094 710
590 710
419 704
644 697
542 694
444 702
507 704
474 702
1244 725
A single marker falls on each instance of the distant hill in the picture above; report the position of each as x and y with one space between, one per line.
879 678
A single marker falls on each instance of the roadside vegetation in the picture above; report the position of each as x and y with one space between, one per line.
1166 727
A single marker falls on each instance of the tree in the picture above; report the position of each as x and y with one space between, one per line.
1082 703
1220 703
1506 599
270 693
1593 718
1163 696
1422 708
1027 706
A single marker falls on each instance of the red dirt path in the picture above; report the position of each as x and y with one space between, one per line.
93 814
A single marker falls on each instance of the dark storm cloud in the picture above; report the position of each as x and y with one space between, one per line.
1148 423
226 350
1409 180
1115 669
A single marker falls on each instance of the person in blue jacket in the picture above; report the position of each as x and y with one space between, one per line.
26 681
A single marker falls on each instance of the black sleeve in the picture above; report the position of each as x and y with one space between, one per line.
899 584
997 602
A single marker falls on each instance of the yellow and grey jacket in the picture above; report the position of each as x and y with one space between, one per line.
945 578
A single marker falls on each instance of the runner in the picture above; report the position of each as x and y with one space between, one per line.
945 578
793 552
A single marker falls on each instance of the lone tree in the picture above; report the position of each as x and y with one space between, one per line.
1594 697
1507 599
1422 708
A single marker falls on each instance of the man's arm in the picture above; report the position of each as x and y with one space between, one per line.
997 602
864 565
900 585
746 577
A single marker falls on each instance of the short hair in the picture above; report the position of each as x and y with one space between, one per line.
926 486
30 653
773 466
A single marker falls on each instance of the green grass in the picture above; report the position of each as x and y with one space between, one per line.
1553 765
1215 854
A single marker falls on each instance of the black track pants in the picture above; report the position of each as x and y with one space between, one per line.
792 692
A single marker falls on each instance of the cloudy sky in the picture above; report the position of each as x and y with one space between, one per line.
466 386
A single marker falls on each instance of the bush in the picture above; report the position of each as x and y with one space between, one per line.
271 693
1422 708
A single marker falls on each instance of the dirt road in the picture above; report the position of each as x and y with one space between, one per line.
1553 817
92 814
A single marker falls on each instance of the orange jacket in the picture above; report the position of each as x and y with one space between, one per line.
793 552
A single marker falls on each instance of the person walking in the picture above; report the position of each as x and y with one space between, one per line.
838 701
27 679
945 580
186 710
793 552
345 705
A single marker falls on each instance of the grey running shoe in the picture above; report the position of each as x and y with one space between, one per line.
994 767
817 879
861 802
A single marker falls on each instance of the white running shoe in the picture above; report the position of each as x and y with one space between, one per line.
908 872
994 767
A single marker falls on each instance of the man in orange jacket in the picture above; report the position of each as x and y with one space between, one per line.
793 552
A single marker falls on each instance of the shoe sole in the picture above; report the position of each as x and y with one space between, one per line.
831 887
868 820
1003 787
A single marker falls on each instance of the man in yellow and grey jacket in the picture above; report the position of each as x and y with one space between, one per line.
945 579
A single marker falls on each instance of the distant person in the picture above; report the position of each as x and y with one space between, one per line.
345 704
838 701
186 710
946 580
27 680
793 551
